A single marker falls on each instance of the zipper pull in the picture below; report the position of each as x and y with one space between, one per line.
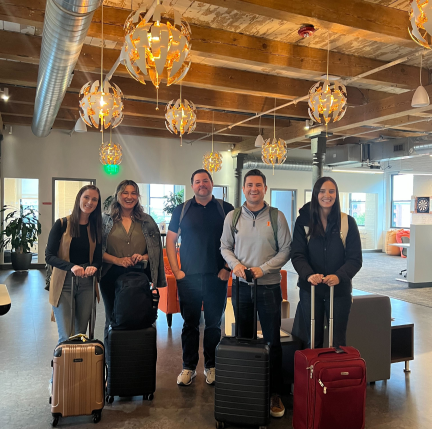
322 385
254 223
311 370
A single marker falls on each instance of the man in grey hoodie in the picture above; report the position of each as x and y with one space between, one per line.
252 244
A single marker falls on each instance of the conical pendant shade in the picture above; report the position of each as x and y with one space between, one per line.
420 98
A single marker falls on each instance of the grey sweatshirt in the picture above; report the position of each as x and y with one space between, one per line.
255 244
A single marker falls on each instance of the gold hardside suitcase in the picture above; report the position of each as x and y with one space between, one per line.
78 376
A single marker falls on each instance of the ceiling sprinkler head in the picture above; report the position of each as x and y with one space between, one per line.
306 30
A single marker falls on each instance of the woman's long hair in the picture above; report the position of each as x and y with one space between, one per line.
315 225
115 208
95 218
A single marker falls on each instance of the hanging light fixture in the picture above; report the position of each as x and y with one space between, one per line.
421 97
180 117
420 17
158 47
110 154
101 104
259 141
327 99
212 162
274 151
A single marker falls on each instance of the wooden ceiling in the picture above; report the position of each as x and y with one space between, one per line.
245 54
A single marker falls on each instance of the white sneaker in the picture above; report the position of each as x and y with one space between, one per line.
210 374
185 377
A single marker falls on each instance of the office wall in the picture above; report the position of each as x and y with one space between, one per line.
145 160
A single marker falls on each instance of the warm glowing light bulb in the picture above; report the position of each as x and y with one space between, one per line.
102 101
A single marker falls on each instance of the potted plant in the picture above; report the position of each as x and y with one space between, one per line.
21 232
172 201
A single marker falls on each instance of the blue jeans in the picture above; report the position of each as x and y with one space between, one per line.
341 311
269 299
83 296
194 291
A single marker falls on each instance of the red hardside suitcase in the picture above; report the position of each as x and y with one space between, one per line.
329 384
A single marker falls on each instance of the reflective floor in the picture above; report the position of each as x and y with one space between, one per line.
27 339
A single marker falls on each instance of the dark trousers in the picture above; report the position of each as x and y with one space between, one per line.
107 287
194 291
341 311
269 299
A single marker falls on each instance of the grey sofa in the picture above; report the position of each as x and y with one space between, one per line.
369 331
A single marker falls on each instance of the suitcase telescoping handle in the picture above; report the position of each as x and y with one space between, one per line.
92 321
255 287
312 342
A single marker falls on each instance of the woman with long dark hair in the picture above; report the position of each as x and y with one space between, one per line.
129 236
74 249
325 252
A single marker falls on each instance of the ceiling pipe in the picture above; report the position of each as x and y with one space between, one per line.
287 165
66 25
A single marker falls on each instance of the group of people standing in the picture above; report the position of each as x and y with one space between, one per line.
216 242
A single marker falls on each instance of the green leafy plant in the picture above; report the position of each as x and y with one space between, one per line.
172 201
22 228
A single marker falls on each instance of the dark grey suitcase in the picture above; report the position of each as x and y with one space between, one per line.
131 359
242 391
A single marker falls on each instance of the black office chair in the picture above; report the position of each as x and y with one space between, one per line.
405 253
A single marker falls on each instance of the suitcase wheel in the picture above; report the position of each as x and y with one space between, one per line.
55 421
97 415
148 397
109 399
220 425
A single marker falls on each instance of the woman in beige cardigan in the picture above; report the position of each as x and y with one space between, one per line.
74 249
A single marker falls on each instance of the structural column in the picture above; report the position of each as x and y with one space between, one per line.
238 168
318 149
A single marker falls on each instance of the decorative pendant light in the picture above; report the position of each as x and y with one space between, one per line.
212 162
274 151
180 117
259 141
101 104
110 153
327 99
420 16
158 47
421 97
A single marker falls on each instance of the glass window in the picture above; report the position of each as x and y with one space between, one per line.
21 192
220 192
65 192
357 208
154 198
402 190
308 196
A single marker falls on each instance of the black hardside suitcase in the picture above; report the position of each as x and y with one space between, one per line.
242 390
131 359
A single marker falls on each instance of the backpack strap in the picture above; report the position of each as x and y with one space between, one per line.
185 208
221 207
235 219
274 214
343 231
344 228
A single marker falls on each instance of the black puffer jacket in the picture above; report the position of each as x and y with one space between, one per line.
326 255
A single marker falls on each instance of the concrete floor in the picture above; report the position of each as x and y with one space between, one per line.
27 339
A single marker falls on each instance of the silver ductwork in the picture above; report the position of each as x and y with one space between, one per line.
65 28
250 164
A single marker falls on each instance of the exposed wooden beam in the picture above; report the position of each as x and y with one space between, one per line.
377 112
21 95
26 75
67 125
26 48
352 17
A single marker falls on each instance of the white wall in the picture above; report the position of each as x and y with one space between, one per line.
145 160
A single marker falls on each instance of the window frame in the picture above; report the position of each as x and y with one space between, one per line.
356 201
69 179
393 201
224 191
293 204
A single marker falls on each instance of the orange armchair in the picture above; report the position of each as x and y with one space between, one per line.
168 301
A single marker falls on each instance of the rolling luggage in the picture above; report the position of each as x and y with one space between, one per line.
242 391
329 384
78 373
131 359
